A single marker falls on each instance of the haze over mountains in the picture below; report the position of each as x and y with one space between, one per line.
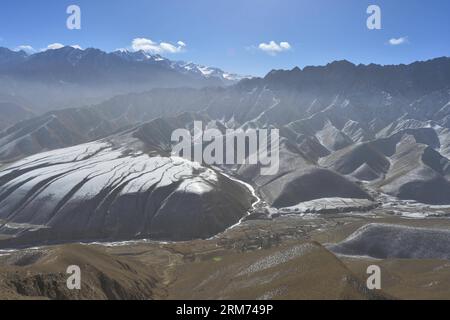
69 76
347 132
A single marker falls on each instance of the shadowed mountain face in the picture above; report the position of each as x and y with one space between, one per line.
347 132
384 241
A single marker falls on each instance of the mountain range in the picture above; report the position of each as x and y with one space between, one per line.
356 133
69 76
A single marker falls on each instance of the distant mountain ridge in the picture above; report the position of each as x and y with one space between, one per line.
189 68
425 76
45 62
72 77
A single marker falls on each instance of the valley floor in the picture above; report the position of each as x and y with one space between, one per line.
282 258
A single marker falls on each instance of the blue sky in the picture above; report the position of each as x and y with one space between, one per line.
228 33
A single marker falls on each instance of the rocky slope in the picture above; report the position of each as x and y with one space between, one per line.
123 187
41 274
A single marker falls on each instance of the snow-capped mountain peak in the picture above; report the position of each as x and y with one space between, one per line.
189 68
207 72
137 56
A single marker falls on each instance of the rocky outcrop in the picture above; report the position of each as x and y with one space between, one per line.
103 276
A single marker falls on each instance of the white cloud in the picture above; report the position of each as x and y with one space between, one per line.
57 45
398 41
274 48
149 46
54 46
28 49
